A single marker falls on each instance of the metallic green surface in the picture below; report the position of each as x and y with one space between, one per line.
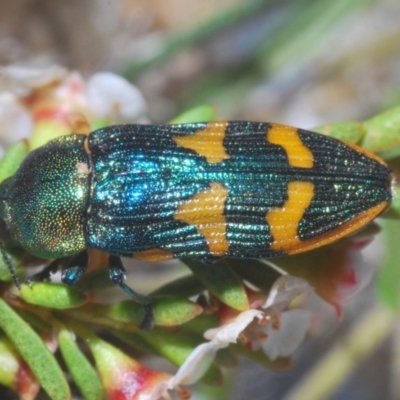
44 204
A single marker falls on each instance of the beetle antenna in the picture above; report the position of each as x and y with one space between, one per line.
10 266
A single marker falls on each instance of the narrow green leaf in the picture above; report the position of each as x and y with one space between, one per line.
184 39
102 314
383 131
186 286
134 340
174 346
394 209
167 311
99 123
13 158
222 281
32 349
83 373
351 131
201 323
36 322
9 362
16 255
174 311
201 113
46 130
52 295
389 277
257 272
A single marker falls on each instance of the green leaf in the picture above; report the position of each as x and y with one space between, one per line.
389 278
394 209
36 321
32 349
16 255
9 362
83 373
167 311
201 323
383 131
351 131
46 130
201 113
99 123
174 311
13 158
174 346
186 286
258 272
222 281
52 295
134 340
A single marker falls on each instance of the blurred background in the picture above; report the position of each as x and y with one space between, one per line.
303 63
300 62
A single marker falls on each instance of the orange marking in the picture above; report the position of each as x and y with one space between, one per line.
154 255
205 210
284 221
298 154
207 142
343 230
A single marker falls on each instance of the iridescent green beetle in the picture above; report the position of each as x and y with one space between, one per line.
200 190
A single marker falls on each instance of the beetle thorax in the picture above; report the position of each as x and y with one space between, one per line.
44 203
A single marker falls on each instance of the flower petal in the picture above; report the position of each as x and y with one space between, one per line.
15 121
195 365
112 96
281 342
229 333
283 291
70 93
22 80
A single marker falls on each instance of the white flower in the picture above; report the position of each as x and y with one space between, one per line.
45 103
203 355
283 291
110 95
284 339
276 329
285 329
23 80
15 120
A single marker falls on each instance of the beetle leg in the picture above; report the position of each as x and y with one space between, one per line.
44 274
117 275
74 267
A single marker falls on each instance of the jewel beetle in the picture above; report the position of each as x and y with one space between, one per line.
197 190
